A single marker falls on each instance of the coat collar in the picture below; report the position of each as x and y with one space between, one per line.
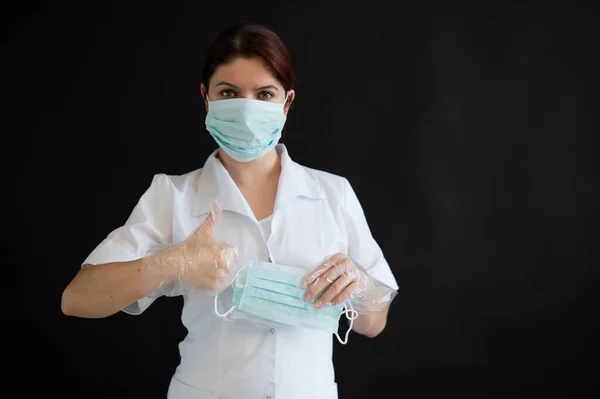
215 182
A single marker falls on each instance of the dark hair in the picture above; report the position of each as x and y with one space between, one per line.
250 40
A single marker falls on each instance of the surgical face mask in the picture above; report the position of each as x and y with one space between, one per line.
272 294
246 129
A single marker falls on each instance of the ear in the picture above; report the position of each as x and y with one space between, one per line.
204 92
288 104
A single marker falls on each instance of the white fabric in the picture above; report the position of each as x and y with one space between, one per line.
316 214
265 227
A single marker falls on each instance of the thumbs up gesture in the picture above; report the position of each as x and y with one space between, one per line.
200 260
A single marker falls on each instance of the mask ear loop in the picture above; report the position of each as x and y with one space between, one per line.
224 315
351 315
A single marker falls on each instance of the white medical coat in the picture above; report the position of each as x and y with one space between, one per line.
316 214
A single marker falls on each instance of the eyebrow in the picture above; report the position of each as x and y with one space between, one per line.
223 83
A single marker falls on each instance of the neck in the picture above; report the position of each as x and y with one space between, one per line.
253 172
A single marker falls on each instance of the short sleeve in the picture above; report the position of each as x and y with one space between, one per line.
149 224
362 247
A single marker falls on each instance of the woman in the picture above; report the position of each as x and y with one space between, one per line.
195 234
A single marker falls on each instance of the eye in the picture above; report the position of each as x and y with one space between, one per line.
227 93
265 95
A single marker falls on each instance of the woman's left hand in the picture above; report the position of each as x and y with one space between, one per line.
339 279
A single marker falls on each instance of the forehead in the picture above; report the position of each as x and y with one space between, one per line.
245 72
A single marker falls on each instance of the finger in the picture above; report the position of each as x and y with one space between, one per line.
315 274
345 294
215 279
216 274
207 227
325 280
227 257
322 268
334 289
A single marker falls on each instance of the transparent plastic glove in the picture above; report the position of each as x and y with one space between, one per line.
200 260
339 279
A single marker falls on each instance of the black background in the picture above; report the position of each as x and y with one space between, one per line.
466 130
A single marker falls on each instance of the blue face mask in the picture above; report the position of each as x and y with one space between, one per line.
246 129
272 294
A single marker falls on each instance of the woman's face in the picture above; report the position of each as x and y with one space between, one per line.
245 78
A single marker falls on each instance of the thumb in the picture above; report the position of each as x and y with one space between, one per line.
206 228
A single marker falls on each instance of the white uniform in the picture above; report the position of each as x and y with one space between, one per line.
316 214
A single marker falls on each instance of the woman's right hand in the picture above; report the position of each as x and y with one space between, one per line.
200 260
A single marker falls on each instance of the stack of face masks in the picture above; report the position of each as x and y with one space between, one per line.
270 293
